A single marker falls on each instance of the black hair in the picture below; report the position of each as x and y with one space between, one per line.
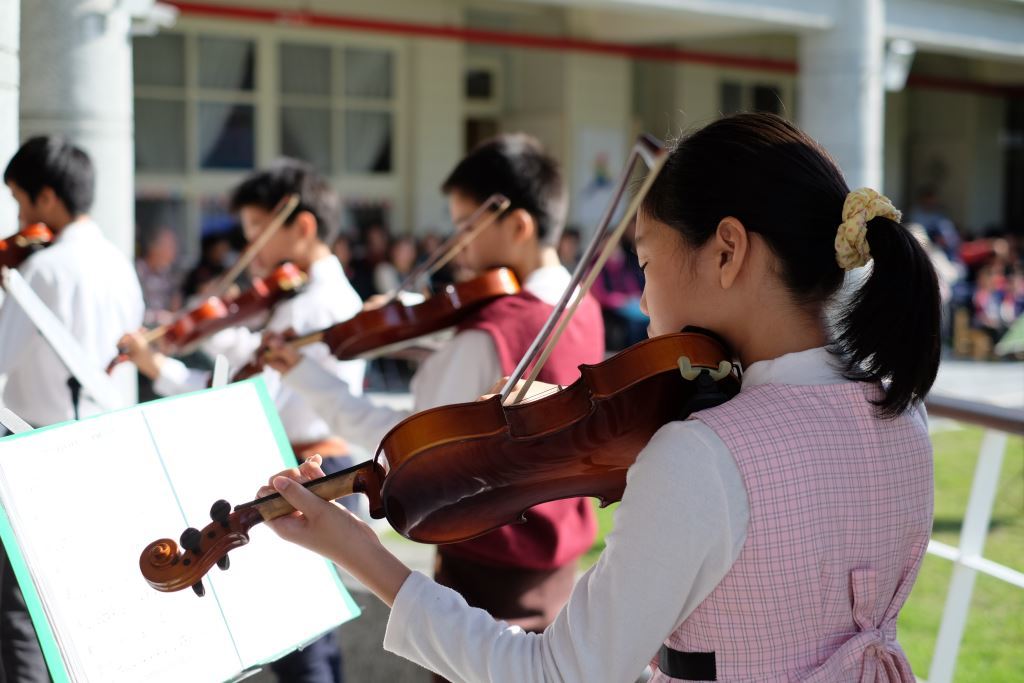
51 161
781 184
266 188
516 166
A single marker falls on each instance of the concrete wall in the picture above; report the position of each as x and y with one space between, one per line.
987 165
671 98
654 98
598 120
954 145
435 140
894 152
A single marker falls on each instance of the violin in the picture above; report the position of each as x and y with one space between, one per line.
216 313
455 472
388 327
215 308
16 248
394 323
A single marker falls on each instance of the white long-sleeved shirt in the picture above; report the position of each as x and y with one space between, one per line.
644 584
463 369
327 298
92 289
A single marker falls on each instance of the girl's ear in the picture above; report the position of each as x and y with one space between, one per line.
731 246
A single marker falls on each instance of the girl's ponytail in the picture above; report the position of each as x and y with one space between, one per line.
889 328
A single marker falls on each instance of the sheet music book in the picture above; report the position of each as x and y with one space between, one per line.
79 501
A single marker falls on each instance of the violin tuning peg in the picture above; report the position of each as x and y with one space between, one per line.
686 369
224 563
190 540
724 368
199 589
220 512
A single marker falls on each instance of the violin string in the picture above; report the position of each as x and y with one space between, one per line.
646 148
459 240
286 206
595 270
283 209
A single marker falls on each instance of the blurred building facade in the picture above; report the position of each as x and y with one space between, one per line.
386 95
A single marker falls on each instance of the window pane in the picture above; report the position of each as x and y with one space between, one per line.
306 135
367 73
159 60
159 135
731 98
226 63
368 141
479 84
767 98
226 135
153 214
305 70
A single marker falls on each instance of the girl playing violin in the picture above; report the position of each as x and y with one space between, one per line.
776 536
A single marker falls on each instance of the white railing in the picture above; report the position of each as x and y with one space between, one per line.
967 557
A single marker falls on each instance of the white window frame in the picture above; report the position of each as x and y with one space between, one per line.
196 184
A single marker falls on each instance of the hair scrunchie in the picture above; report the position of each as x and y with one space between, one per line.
861 206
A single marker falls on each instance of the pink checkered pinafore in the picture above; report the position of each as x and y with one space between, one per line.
840 515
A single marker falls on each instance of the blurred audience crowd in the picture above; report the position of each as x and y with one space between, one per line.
981 280
981 277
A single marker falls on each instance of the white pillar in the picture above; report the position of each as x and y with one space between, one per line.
8 113
76 76
9 76
842 96
437 124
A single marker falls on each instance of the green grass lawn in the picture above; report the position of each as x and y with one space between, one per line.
993 645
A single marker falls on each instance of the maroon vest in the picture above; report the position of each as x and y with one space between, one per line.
558 532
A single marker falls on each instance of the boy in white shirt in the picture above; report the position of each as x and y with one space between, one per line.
327 298
92 289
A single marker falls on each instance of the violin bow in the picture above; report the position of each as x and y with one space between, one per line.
647 149
465 232
282 211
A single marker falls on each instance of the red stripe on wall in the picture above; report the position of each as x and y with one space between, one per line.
560 43
965 85
471 35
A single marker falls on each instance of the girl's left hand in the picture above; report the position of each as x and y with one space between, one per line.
335 533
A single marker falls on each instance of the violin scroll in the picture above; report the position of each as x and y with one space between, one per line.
169 567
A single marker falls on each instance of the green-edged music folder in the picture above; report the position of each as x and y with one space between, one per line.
80 500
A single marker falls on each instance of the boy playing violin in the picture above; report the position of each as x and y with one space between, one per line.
521 573
92 289
327 298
